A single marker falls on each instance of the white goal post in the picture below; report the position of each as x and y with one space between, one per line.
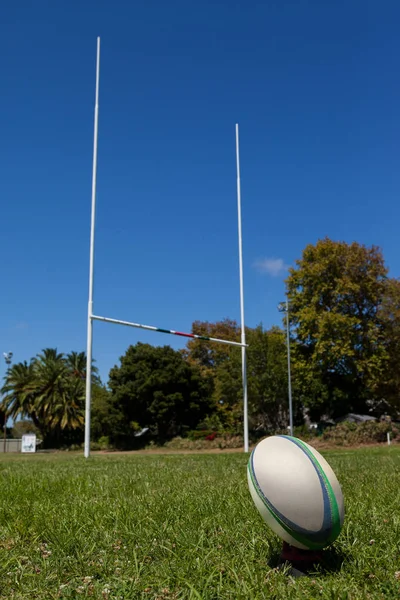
92 317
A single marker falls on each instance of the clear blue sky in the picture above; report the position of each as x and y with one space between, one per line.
315 87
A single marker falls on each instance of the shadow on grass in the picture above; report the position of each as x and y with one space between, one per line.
331 561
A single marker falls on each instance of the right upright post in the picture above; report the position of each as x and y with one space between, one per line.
289 369
91 264
284 307
244 373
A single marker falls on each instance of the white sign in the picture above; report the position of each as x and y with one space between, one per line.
28 443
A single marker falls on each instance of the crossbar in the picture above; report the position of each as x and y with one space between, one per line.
170 331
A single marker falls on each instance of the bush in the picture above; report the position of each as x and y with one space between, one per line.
103 443
301 431
221 442
353 434
200 434
305 433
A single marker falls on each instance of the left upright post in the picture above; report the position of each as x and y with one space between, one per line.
91 264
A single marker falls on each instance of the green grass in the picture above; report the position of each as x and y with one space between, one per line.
169 527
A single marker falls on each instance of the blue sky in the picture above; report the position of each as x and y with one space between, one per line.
315 88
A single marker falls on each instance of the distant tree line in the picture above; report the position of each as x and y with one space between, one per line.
345 341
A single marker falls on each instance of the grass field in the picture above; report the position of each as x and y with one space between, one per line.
169 527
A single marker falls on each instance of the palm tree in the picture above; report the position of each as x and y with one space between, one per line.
19 391
77 363
67 407
60 389
50 390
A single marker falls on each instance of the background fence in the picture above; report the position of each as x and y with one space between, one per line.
11 445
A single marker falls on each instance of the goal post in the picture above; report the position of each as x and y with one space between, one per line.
91 317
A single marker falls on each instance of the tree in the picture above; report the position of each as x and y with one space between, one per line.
268 379
220 364
155 387
19 391
209 355
103 417
335 295
266 374
21 428
389 314
50 390
59 391
76 364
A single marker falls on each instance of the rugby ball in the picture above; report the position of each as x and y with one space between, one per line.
296 492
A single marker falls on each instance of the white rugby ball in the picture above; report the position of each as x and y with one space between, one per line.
296 492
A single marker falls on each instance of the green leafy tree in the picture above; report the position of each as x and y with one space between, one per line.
155 387
220 364
266 374
388 396
209 355
335 293
104 415
268 379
